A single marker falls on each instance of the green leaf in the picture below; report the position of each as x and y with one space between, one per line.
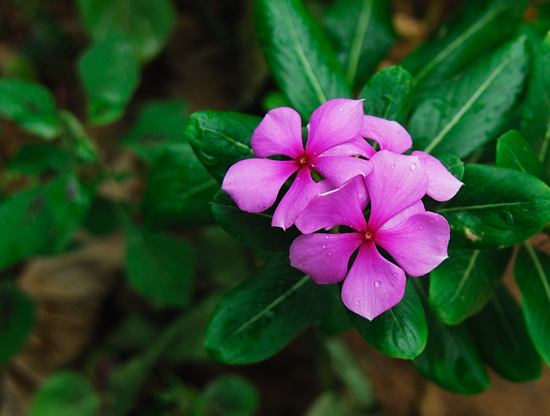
76 138
496 207
532 271
30 105
451 359
254 229
265 313
477 29
221 139
160 266
361 32
109 71
37 158
147 24
160 127
502 336
514 152
399 332
388 94
66 394
453 165
463 284
179 190
535 117
17 319
103 216
230 395
337 319
470 109
299 55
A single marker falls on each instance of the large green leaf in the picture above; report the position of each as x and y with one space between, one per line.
388 94
478 28
361 32
17 319
532 270
221 139
254 229
299 55
147 24
400 331
469 110
514 152
502 336
30 105
496 207
462 284
262 315
109 71
230 395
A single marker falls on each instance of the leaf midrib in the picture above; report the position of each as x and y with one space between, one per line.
359 35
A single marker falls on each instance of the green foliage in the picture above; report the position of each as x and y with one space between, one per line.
37 158
514 152
230 395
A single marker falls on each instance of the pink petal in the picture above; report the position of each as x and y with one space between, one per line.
333 123
417 208
355 147
341 206
390 135
395 183
419 244
255 183
373 284
324 257
301 192
443 185
279 133
339 170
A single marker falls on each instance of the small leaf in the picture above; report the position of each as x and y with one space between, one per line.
514 152
388 94
299 55
30 105
502 336
265 313
361 32
230 395
77 139
38 158
496 207
399 332
221 139
462 284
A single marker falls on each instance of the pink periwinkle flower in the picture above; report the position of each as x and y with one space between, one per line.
416 239
333 139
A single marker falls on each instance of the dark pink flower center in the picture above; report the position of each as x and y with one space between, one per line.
303 160
369 236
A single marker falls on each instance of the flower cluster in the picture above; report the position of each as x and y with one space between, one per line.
353 178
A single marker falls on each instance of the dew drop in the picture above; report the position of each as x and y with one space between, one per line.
307 258
341 109
421 227
378 283
329 253
413 166
324 246
393 165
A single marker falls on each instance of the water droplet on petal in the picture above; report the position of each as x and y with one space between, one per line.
421 227
378 283
413 166
307 258
329 253
324 246
341 109
393 165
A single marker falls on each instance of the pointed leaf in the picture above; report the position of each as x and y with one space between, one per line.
514 152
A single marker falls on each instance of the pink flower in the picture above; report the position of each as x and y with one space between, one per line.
333 137
417 240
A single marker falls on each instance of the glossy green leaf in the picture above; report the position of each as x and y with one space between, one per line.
37 158
299 55
30 105
361 32
453 165
179 190
17 319
265 313
159 266
160 126
109 71
230 395
462 284
66 393
221 139
532 271
478 28
502 336
399 332
388 94
496 207
469 110
147 24
253 229
514 152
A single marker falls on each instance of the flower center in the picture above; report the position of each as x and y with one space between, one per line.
368 236
302 160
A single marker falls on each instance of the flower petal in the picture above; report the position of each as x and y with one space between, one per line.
324 257
355 147
279 133
342 206
333 123
419 244
395 183
373 284
416 208
255 183
301 192
390 135
443 185
339 170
